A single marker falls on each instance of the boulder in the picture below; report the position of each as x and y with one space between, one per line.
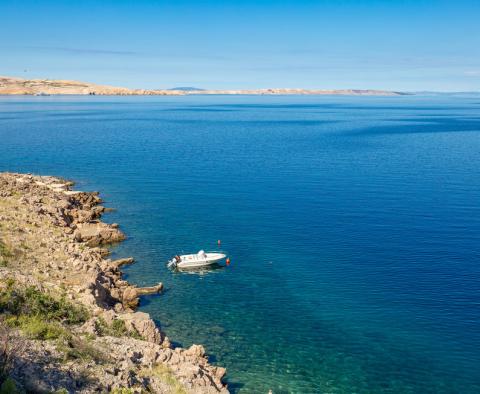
195 350
145 326
97 233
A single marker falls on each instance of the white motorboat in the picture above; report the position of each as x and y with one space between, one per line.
196 260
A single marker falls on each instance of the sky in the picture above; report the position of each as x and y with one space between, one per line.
409 45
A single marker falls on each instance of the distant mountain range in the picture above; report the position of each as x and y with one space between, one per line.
41 87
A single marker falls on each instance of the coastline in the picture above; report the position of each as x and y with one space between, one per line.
53 240
47 87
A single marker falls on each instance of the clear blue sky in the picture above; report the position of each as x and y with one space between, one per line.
389 44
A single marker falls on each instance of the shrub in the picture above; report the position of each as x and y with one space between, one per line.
135 334
8 387
122 390
33 302
60 309
116 329
77 348
119 328
34 327
165 374
101 327
9 301
37 314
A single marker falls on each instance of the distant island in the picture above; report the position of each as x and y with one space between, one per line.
41 87
188 89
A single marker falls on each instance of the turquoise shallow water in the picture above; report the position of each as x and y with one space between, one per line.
352 225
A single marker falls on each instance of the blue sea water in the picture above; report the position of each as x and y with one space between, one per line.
352 224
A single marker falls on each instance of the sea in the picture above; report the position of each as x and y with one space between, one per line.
352 225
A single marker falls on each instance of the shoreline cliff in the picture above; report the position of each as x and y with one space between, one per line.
67 318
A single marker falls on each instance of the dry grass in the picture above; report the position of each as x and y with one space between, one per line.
165 374
5 254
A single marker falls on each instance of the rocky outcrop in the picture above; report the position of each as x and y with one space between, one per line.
141 323
97 233
127 363
56 238
121 262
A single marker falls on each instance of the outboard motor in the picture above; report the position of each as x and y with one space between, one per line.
172 263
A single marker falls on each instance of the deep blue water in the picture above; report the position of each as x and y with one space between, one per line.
353 226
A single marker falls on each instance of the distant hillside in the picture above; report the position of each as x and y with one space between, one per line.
20 86
433 93
316 92
188 89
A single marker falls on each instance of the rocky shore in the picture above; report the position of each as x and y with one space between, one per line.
67 318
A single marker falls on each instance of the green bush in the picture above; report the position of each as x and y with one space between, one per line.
165 374
32 302
116 329
77 348
35 327
37 314
9 301
53 309
135 334
119 328
122 390
8 387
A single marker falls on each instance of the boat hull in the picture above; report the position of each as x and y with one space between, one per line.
192 261
199 264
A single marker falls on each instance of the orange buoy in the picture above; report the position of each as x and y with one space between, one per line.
227 261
